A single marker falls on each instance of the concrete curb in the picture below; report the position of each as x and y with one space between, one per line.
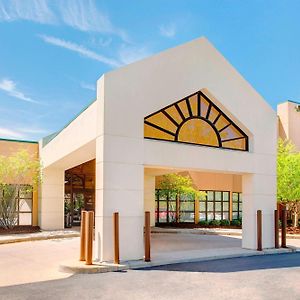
38 238
208 232
80 267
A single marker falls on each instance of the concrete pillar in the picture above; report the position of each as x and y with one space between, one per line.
51 199
259 193
149 197
119 188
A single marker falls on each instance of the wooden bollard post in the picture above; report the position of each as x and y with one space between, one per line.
89 238
116 238
259 230
147 236
283 227
82 235
276 228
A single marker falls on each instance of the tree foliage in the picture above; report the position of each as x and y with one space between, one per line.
16 170
180 185
288 177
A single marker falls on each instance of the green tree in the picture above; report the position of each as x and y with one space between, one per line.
16 170
288 178
175 185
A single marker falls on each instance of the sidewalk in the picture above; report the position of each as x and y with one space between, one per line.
38 236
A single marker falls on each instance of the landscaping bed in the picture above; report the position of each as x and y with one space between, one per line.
20 229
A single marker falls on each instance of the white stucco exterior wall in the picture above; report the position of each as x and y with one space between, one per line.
137 90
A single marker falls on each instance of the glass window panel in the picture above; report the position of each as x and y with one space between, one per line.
234 215
240 214
162 217
25 192
225 196
218 216
225 206
234 206
172 205
225 216
210 195
173 196
202 216
25 219
210 216
162 205
235 197
25 205
240 196
187 217
172 217
218 206
186 206
210 206
240 206
162 196
218 196
202 206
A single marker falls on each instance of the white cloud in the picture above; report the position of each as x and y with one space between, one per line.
10 88
79 49
88 86
85 16
168 30
130 53
35 10
33 130
79 14
9 133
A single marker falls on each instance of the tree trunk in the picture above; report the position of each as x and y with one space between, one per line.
295 219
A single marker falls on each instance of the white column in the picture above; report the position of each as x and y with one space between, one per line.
149 197
119 188
259 193
51 199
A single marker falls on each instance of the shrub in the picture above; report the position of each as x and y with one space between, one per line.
214 223
236 222
203 223
225 222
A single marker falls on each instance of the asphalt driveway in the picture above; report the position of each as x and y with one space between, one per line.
265 277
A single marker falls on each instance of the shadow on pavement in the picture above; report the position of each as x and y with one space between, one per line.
235 264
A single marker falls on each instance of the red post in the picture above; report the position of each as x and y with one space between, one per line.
147 236
89 238
259 230
116 238
82 235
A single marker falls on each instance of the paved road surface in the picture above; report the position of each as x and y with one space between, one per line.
264 277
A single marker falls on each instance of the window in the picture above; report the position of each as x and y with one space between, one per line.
215 206
237 206
195 120
187 209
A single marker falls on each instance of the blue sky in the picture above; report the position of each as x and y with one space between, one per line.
52 52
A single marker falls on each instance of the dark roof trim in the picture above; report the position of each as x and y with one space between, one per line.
18 141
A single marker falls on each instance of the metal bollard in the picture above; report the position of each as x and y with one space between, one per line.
276 228
116 238
283 228
147 236
83 235
259 230
89 238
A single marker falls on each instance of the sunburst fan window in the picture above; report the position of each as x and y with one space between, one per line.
195 120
